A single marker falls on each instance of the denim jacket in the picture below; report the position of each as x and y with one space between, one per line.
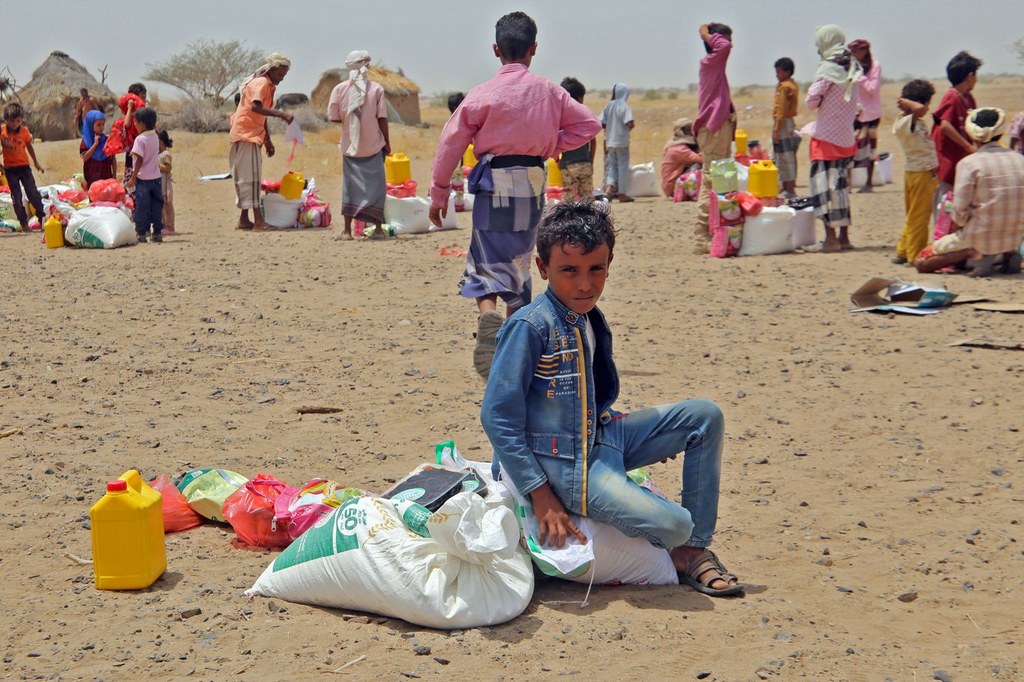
544 399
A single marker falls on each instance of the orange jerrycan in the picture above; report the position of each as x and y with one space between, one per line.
128 549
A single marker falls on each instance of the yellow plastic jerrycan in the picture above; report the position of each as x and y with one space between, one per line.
396 168
292 185
763 181
53 233
469 158
554 174
128 551
741 141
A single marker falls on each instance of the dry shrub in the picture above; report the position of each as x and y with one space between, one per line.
200 117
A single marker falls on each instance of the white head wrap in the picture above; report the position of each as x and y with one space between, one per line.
837 64
983 135
358 63
274 60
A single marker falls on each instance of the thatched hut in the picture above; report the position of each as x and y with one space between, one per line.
50 97
402 94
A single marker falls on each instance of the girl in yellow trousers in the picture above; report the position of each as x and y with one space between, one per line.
921 164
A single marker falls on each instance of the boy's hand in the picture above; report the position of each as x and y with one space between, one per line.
40 168
437 213
270 148
552 519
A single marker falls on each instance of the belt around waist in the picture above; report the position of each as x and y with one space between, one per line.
516 160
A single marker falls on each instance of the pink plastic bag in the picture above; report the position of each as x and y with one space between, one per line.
725 237
300 509
944 220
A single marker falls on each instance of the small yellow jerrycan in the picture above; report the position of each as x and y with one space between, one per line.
741 141
128 550
53 232
469 158
292 185
397 169
554 174
763 181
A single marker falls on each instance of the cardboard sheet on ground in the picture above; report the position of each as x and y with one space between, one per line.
1000 307
993 344
882 294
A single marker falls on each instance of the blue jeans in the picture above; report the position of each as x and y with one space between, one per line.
616 167
695 427
149 206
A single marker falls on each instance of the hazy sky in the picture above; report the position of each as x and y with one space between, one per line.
445 46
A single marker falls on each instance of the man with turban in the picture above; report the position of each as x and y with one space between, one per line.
249 132
988 195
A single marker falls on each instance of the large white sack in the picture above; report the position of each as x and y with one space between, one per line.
619 558
448 220
803 228
100 227
770 231
643 181
410 215
742 177
469 573
281 212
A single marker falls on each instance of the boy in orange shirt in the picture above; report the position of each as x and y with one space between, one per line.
784 138
16 141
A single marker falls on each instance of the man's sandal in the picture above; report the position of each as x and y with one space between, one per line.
707 563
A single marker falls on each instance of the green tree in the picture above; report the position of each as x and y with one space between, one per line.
206 70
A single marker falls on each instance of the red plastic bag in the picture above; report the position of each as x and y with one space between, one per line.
72 196
749 204
250 511
117 140
178 515
107 190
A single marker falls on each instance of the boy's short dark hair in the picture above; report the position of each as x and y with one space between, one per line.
961 66
786 64
147 117
918 90
14 110
515 33
576 223
574 88
715 28
138 89
454 100
165 138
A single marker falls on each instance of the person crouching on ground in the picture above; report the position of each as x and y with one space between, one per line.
681 155
547 411
358 104
249 132
145 177
988 197
515 121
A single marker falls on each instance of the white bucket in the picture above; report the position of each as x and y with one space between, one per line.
280 212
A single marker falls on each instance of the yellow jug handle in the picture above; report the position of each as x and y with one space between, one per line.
133 478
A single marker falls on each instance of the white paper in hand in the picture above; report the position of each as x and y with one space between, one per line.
294 132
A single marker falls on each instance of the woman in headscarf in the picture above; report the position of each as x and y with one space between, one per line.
358 104
681 152
834 95
988 196
96 165
617 121
870 100
249 132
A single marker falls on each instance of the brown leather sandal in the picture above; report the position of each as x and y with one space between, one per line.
708 563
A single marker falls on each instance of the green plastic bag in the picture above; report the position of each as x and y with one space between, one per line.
724 176
206 490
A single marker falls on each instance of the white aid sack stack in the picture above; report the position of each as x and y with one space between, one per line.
643 181
409 215
370 555
770 231
281 212
100 227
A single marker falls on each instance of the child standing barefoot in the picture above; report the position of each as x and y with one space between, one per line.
919 168
164 162
145 177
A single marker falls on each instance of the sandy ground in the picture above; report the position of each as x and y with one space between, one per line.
865 458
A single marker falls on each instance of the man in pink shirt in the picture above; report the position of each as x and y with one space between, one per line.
515 121
716 117
358 104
